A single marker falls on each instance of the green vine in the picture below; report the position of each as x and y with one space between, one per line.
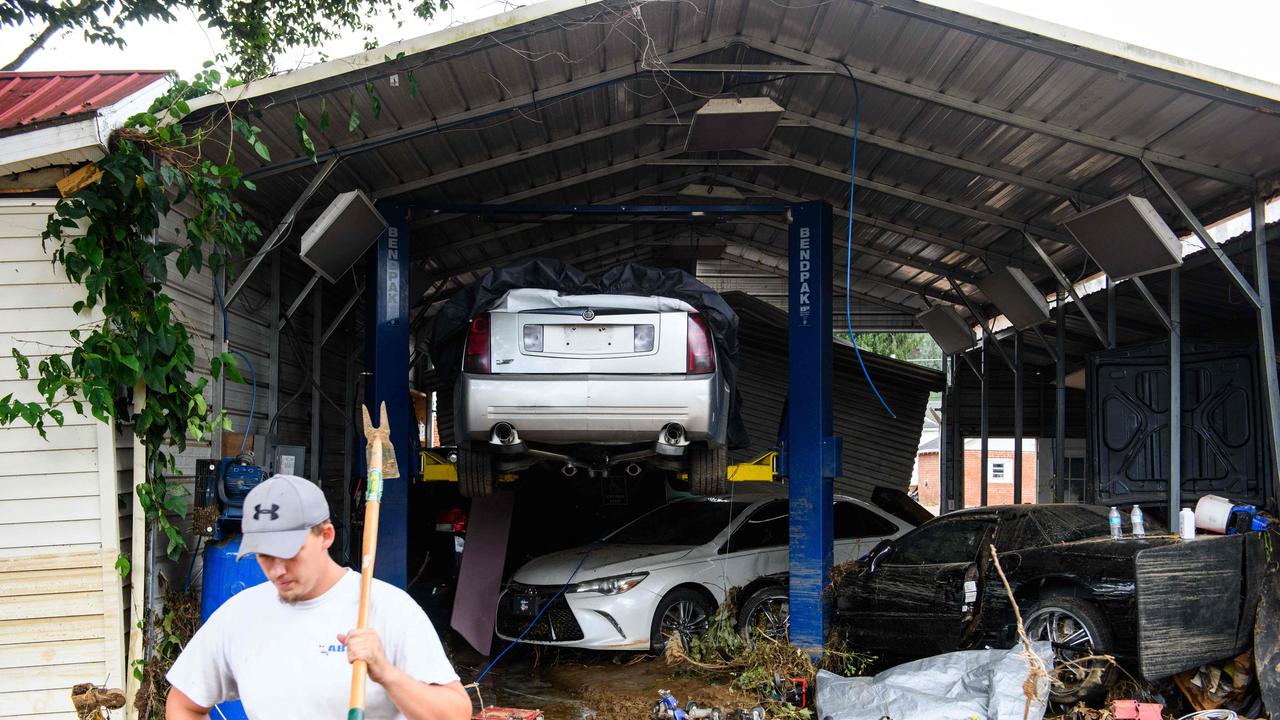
105 238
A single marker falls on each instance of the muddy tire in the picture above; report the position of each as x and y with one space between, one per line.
683 610
1077 628
766 610
476 477
708 469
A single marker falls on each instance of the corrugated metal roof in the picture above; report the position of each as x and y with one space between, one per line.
970 132
30 98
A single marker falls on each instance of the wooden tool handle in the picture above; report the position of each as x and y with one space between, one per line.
373 503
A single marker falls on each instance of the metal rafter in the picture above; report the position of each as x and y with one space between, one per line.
915 151
541 95
986 255
732 253
868 184
568 182
533 151
522 227
975 108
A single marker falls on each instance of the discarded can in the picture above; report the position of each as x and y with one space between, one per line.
1135 519
1117 530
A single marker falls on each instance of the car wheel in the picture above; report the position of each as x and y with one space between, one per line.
682 611
1077 629
708 469
475 473
767 611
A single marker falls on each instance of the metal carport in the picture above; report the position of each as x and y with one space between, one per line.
977 134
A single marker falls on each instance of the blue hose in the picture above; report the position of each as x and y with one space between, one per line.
848 267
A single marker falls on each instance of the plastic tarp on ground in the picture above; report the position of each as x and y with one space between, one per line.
450 330
982 684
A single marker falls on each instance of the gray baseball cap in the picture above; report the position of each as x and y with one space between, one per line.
279 513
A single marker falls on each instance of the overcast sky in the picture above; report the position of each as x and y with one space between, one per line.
1235 35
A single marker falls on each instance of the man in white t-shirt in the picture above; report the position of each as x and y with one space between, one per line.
284 648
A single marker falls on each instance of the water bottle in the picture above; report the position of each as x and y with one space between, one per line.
1117 531
1135 519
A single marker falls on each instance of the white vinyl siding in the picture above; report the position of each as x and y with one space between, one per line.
61 618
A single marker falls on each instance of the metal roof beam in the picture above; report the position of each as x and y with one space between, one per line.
561 184
534 151
939 269
866 184
958 163
768 263
914 233
517 229
839 270
986 326
1003 116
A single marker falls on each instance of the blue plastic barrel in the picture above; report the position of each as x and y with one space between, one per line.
224 577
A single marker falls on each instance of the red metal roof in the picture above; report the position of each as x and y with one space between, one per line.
33 97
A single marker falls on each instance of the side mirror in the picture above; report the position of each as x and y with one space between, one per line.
877 554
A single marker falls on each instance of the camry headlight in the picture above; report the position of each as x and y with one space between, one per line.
610 585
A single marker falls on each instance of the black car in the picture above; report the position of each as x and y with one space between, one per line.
935 589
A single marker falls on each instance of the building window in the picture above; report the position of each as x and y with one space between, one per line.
999 471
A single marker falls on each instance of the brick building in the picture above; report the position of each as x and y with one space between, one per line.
1000 459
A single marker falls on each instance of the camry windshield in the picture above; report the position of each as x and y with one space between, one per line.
684 522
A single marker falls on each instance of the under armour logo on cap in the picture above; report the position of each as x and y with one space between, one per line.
257 510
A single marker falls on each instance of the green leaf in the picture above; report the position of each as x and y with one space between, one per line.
123 566
373 99
324 114
24 365
215 367
413 84
354 121
304 138
57 416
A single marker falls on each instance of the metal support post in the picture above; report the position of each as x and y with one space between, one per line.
1267 341
317 322
1111 313
1060 404
813 455
297 302
1065 284
219 346
986 326
985 429
273 366
387 359
1175 399
946 478
1017 418
1201 233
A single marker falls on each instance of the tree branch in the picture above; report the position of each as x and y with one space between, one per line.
36 43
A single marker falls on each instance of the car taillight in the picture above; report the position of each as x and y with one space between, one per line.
454 521
702 354
533 338
642 338
476 359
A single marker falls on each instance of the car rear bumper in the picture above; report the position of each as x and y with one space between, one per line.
603 409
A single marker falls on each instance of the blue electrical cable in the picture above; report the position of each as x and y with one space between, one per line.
253 375
535 617
848 260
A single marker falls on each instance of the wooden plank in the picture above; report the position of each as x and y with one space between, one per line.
51 561
47 582
54 605
49 486
51 462
8 553
41 510
45 537
57 677
22 439
52 295
31 272
36 701
43 318
69 652
81 627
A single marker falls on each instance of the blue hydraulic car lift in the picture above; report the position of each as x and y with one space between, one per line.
811 455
